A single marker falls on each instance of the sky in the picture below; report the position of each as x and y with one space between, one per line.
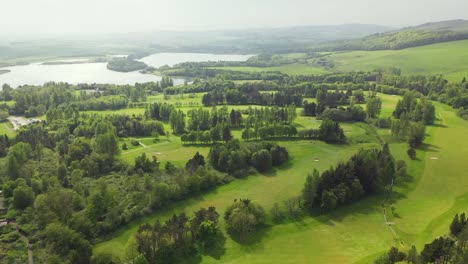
68 17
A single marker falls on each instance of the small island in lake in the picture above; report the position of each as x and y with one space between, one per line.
126 65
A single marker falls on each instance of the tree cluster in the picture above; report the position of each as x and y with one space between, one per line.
243 218
241 96
178 237
367 172
415 110
235 158
329 131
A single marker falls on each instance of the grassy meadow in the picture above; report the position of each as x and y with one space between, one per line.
448 59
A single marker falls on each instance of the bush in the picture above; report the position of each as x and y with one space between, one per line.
331 131
383 122
411 153
277 213
262 160
23 196
135 142
293 207
243 218
279 155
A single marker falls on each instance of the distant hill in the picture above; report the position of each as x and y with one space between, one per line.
452 25
246 41
261 40
425 34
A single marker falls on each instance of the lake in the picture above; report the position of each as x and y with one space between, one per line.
38 74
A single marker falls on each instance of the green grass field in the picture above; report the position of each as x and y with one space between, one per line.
356 233
447 58
7 129
291 69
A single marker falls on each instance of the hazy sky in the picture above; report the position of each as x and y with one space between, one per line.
97 16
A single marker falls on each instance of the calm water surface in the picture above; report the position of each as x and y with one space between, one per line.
38 74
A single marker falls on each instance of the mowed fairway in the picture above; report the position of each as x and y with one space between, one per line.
426 204
449 59
442 189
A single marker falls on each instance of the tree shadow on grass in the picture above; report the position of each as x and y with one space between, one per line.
253 241
365 206
439 125
197 145
426 147
396 196
282 139
274 171
193 259
218 248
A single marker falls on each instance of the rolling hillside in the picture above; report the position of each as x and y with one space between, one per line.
449 59
421 35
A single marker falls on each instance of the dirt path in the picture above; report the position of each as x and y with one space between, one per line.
145 146
26 241
386 222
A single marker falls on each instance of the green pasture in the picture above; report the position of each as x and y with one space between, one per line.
447 58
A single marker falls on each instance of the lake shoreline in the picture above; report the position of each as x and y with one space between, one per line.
90 71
